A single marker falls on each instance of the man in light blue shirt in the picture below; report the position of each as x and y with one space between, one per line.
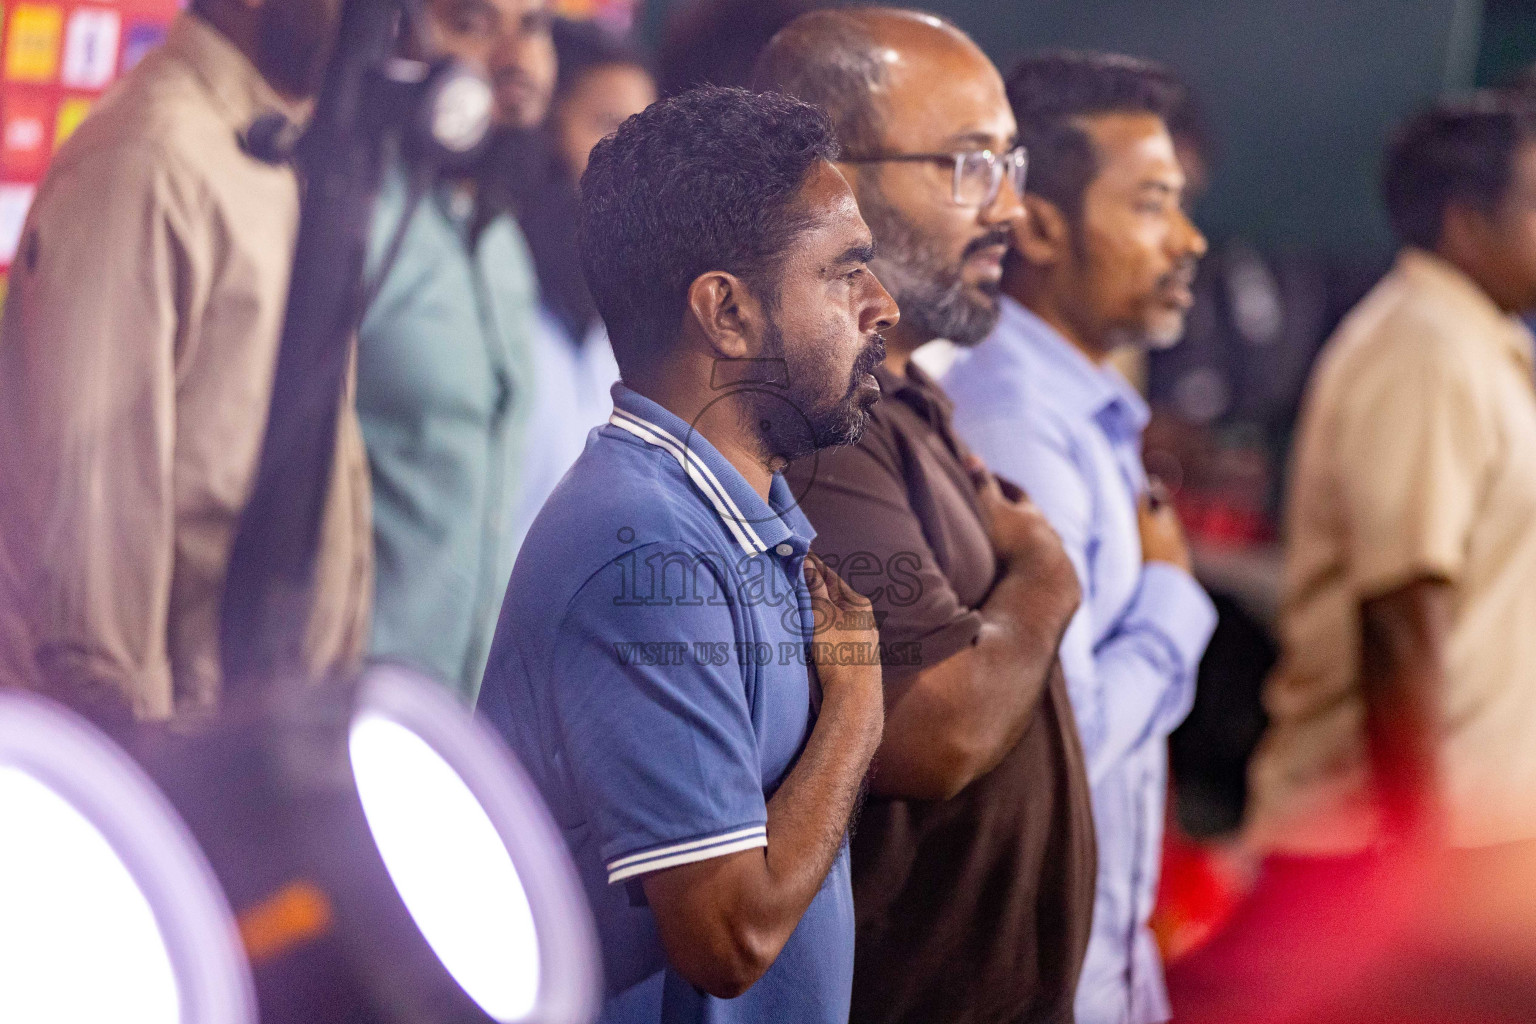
572 378
1105 259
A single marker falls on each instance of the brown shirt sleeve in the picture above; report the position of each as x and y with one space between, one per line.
101 294
869 534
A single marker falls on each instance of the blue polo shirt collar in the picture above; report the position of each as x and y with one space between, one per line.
775 526
1092 392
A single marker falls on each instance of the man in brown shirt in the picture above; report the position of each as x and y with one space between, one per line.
136 361
973 864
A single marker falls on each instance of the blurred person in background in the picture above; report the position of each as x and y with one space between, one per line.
1394 794
445 376
602 81
1104 260
1523 90
136 362
706 796
973 862
1405 702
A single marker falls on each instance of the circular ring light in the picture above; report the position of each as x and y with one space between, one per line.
108 909
473 853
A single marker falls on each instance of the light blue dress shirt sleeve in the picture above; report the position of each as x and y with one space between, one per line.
1138 680
1146 667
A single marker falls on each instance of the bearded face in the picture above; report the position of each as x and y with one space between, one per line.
819 405
935 299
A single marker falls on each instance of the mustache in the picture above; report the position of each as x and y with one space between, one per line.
990 240
1182 275
512 75
871 357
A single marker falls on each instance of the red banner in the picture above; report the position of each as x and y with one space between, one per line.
56 59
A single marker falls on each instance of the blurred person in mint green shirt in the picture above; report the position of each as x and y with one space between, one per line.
445 364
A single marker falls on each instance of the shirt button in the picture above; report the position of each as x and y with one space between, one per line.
784 550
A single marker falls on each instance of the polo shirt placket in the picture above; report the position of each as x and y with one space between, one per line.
650 671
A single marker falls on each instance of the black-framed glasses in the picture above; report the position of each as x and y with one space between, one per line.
979 173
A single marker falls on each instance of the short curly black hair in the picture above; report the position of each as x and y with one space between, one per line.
1050 94
1457 151
703 181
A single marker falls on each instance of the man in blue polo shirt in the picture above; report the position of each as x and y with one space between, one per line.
696 698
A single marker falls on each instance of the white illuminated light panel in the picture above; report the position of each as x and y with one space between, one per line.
108 910
80 942
450 865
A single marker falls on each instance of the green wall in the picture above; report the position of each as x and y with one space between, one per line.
1509 40
1301 93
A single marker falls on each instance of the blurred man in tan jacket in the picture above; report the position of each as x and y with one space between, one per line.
136 363
1406 702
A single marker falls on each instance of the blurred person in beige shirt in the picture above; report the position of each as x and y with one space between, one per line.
137 355
1405 703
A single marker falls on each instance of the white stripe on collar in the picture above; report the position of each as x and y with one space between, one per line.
699 473
730 502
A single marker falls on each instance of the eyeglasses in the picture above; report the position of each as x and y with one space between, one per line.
979 173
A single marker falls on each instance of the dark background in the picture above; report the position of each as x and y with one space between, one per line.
1300 93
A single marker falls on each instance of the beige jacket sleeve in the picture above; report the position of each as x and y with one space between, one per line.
107 288
1414 448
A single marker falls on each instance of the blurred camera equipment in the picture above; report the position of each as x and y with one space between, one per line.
322 850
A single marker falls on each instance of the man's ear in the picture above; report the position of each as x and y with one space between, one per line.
1042 236
1464 231
727 313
